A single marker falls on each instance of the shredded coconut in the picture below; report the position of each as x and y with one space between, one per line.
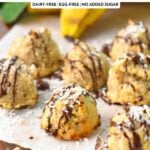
140 114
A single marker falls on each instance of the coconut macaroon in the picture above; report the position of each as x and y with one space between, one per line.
130 130
135 37
70 113
129 80
38 50
17 87
85 66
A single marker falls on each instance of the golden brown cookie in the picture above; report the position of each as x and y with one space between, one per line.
16 84
38 50
85 66
130 130
129 80
135 37
70 113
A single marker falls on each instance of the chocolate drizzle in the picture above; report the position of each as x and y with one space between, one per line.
127 137
139 59
132 86
129 35
34 35
93 71
129 60
142 61
14 81
125 129
137 141
106 48
42 85
73 67
147 37
103 95
130 41
73 62
34 52
135 120
72 98
37 35
4 75
45 45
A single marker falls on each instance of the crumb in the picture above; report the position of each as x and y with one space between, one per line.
31 137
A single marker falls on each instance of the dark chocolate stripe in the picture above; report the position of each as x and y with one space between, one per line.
66 113
122 127
88 69
137 142
132 86
140 44
131 42
45 46
126 65
90 55
128 138
14 82
4 77
66 116
136 60
33 51
76 68
147 37
33 34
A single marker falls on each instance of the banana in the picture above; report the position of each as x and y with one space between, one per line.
74 21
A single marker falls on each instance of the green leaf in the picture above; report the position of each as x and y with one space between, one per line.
11 11
1 4
0 12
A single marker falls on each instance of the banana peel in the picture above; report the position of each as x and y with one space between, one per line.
73 22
